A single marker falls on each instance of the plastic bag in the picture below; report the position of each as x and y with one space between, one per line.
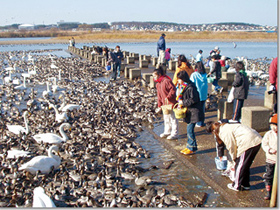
108 67
230 95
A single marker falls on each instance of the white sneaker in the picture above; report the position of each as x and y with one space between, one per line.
233 121
221 90
231 187
118 77
163 135
172 137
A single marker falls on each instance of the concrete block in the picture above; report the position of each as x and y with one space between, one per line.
148 58
256 117
269 100
229 76
130 60
223 83
104 62
225 109
134 73
154 61
143 64
146 77
136 56
122 66
172 65
99 59
125 54
152 83
126 71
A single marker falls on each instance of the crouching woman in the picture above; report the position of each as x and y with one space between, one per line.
242 143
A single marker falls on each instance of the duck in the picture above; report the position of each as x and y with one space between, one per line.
52 138
59 117
43 163
144 180
40 199
17 129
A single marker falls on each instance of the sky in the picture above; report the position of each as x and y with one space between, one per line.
37 12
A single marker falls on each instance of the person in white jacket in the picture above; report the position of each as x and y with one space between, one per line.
269 146
242 143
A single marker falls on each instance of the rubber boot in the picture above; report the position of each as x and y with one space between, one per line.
268 192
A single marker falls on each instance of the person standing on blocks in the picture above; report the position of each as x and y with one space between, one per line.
119 55
166 94
161 50
269 146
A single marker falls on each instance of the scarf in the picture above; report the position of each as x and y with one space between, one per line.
243 72
180 89
161 78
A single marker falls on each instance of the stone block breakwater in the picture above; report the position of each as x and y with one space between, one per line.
97 155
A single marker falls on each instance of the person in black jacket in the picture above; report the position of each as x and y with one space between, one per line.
216 70
119 55
188 96
241 88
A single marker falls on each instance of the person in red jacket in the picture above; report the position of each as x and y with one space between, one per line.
166 94
273 79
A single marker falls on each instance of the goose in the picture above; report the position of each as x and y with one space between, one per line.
59 117
67 107
144 180
52 138
43 163
17 129
40 199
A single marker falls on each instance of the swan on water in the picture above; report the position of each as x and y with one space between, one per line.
43 163
15 153
64 107
17 129
47 93
52 138
40 198
59 117
23 86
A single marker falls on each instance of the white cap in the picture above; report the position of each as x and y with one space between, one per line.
216 48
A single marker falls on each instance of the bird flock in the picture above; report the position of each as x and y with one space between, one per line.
69 141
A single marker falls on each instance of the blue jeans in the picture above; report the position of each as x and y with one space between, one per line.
215 83
118 66
191 144
201 123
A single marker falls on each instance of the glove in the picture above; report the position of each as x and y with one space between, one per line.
271 88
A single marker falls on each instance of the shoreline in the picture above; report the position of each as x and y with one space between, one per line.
63 41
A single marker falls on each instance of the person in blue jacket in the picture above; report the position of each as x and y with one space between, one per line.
199 78
161 49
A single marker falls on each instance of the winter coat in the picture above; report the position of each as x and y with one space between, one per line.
200 81
160 44
270 141
166 89
216 69
273 72
241 86
191 100
119 53
238 138
183 67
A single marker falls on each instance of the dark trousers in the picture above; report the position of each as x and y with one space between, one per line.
242 167
114 72
237 106
269 173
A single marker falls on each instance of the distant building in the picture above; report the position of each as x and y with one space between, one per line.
26 27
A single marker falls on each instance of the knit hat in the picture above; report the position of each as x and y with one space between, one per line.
273 119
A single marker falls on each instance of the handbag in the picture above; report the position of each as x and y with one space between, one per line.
230 95
166 108
180 113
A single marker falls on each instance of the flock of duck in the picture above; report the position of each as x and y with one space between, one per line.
68 140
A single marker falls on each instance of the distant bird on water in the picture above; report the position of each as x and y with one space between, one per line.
234 45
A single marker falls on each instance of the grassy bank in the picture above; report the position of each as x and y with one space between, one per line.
135 36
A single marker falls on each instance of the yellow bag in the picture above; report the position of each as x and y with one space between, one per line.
167 108
180 113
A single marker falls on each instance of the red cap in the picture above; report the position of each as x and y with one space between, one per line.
273 119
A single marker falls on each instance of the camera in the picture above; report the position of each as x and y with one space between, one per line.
271 91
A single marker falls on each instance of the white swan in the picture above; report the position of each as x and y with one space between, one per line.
17 129
52 138
23 86
47 93
15 153
69 107
40 199
59 117
43 163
